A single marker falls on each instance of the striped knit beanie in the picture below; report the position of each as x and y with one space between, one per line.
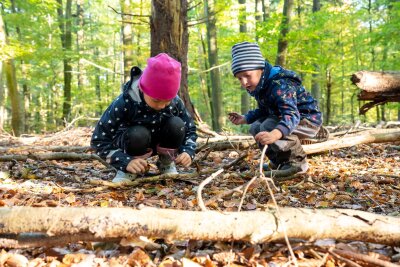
246 56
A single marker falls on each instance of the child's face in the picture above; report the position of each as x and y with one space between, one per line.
249 79
155 104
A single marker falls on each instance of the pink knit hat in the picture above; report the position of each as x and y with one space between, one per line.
161 78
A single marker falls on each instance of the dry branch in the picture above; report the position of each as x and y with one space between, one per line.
256 227
12 149
374 136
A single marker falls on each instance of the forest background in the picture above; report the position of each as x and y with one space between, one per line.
61 61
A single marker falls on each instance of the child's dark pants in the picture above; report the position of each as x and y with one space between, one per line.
138 140
287 149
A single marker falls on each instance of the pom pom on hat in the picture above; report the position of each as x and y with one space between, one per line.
246 56
161 78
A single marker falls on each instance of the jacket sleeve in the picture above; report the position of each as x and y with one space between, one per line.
105 132
285 95
189 144
255 114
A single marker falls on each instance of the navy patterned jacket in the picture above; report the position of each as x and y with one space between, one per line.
280 93
129 109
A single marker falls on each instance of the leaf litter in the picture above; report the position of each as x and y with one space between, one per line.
363 177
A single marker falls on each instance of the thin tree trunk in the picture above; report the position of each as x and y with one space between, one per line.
79 43
217 119
127 37
25 90
245 99
285 27
65 25
2 98
315 80
254 226
328 95
204 86
17 119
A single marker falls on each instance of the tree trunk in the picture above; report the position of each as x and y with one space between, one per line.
253 226
285 26
328 95
245 98
169 34
127 37
315 80
204 83
25 89
2 98
217 119
66 42
17 120
79 43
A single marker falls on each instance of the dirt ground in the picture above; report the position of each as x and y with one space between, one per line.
362 177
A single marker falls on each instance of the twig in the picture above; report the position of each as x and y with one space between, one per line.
362 257
347 261
200 201
245 191
267 180
387 175
225 193
138 181
376 203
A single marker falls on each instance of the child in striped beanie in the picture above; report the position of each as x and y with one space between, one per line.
286 112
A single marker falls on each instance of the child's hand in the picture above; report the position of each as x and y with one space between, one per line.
137 166
184 159
266 138
236 118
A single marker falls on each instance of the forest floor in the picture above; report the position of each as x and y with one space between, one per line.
362 177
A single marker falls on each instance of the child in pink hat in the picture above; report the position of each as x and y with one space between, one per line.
146 119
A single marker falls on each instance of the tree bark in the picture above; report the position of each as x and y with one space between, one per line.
255 226
377 81
169 34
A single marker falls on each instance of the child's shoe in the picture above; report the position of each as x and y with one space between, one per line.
166 158
289 169
269 166
122 177
167 168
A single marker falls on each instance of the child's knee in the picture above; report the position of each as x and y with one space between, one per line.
137 139
173 133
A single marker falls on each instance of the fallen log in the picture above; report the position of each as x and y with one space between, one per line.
379 87
373 136
255 227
